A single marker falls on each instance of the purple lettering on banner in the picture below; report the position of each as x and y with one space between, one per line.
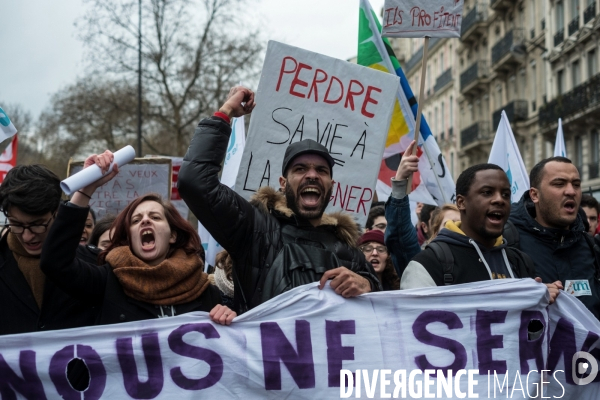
214 360
58 372
531 349
276 347
30 386
151 348
336 353
421 333
486 342
562 343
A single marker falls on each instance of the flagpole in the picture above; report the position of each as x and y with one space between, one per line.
420 106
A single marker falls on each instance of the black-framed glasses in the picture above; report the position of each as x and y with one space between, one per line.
369 249
381 226
33 228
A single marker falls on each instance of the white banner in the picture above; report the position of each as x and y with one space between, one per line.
560 150
344 106
299 344
420 18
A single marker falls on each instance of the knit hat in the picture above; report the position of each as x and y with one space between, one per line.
306 146
371 236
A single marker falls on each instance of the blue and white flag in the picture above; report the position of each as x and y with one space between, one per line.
233 158
505 153
560 150
7 129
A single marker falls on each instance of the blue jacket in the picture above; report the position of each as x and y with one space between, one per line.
400 235
558 254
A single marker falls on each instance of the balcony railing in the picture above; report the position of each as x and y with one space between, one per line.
579 99
504 46
442 80
476 15
478 70
589 13
559 36
479 131
515 111
574 25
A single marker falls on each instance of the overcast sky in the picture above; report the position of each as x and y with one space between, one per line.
41 53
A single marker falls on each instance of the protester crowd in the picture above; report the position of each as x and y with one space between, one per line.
60 268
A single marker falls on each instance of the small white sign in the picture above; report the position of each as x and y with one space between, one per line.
420 18
578 287
345 107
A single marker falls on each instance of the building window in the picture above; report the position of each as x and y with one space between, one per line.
579 154
560 16
594 167
442 116
442 62
560 82
451 112
576 73
592 62
574 9
533 87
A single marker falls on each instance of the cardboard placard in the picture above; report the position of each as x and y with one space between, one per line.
420 18
344 106
141 176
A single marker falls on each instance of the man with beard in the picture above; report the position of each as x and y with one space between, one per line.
473 249
280 239
551 230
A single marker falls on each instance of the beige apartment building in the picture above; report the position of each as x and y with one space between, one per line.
537 60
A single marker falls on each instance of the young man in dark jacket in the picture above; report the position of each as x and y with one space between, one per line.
280 239
477 248
29 198
551 230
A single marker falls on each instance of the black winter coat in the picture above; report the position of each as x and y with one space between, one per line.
20 312
98 284
252 232
558 254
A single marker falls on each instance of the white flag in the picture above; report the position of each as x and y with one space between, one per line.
505 153
559 146
233 158
7 129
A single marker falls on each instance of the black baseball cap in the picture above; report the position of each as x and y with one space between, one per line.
306 146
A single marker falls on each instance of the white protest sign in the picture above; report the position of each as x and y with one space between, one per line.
140 176
420 18
302 343
345 107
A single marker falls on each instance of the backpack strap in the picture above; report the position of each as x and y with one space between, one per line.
511 234
444 255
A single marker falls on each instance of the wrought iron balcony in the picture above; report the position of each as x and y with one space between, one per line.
589 13
476 16
574 25
559 36
580 99
478 132
442 80
515 111
473 74
505 45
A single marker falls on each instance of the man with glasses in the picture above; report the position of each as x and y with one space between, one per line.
376 219
29 198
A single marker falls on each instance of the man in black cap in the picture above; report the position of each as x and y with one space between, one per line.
280 239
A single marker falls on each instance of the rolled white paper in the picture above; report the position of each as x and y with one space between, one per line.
92 173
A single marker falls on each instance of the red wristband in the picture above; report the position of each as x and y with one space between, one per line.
223 116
